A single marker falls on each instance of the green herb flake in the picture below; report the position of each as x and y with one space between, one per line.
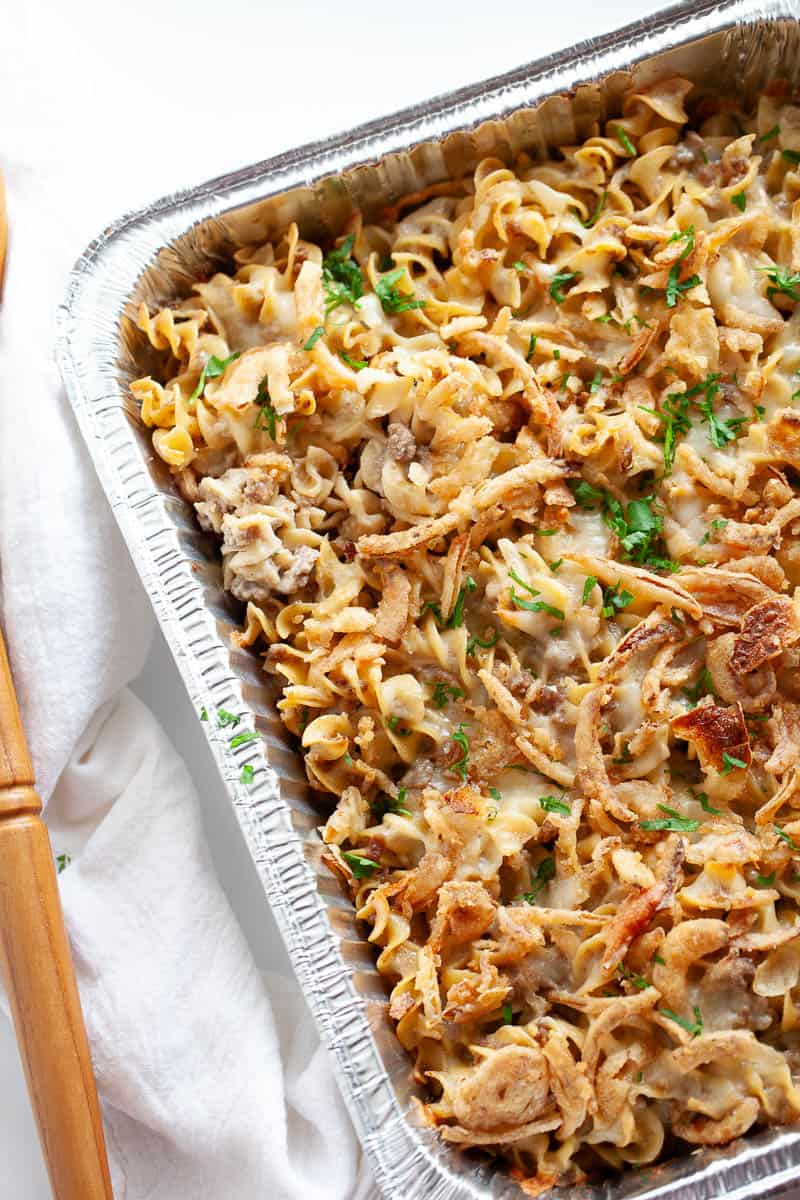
672 823
792 156
62 862
347 759
786 837
729 762
586 496
638 981
534 606
703 801
555 564
508 1014
589 584
544 873
361 867
225 718
598 209
246 777
495 794
204 713
485 644
461 767
443 693
393 723
391 298
662 962
674 417
519 265
782 282
594 386
702 687
615 600
315 336
266 417
212 370
341 277
552 805
771 133
695 1028
355 364
559 282
766 881
457 615
241 738
625 141
740 200
531 347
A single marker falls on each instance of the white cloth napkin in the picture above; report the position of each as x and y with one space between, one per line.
212 1082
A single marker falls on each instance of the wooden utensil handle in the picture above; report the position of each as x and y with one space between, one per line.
35 957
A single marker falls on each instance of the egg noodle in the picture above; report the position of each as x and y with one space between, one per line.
509 484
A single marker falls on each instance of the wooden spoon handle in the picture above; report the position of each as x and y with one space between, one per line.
39 977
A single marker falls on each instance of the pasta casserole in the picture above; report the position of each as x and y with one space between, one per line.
507 479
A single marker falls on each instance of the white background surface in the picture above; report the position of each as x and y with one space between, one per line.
152 96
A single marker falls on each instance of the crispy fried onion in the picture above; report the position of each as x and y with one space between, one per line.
637 910
753 691
592 776
715 731
649 634
502 1099
724 596
767 630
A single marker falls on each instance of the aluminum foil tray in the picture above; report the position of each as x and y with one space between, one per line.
153 255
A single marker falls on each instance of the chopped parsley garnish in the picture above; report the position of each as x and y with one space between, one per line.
765 880
589 584
341 277
360 866
508 1014
552 805
674 416
347 759
676 616
594 386
241 738
672 823
391 298
457 615
627 144
786 837
355 364
544 873
391 804
658 959
638 527
266 413
315 336
461 740
212 370
717 524
615 600
771 133
598 209
695 1028
393 723
531 347
246 777
792 156
782 282
559 282
484 644
729 761
443 693
495 794
637 980
534 606
519 266
703 801
225 718
556 354
720 431
625 757
62 862
740 200
204 713
555 564
703 686
675 287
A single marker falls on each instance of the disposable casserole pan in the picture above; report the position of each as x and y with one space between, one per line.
153 256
